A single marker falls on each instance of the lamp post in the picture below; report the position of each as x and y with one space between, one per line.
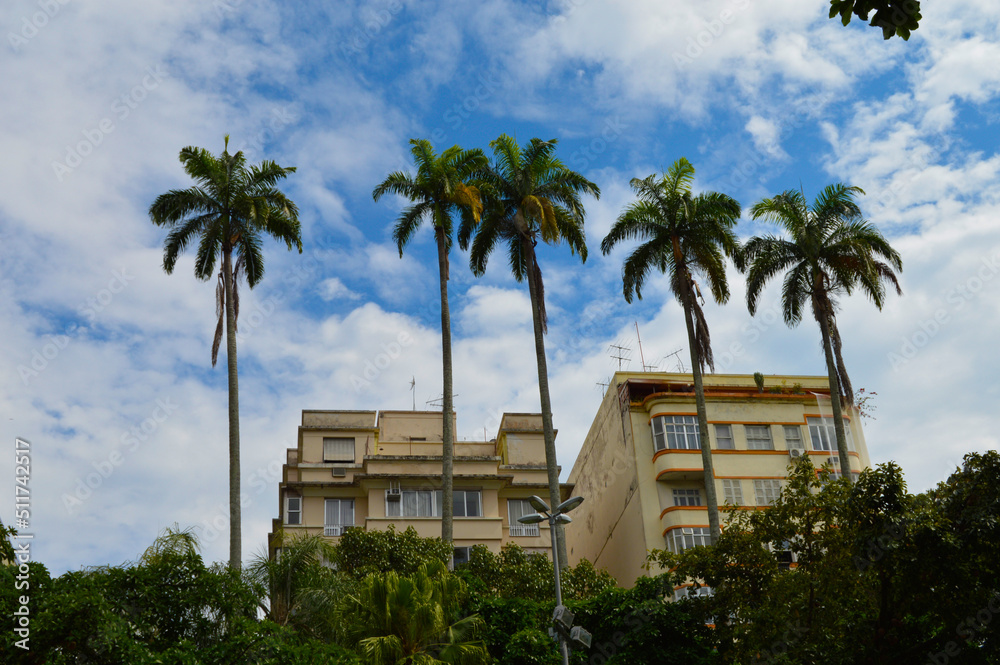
562 617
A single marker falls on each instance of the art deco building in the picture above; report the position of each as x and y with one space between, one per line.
370 470
640 467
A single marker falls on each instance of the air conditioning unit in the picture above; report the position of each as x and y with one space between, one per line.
795 453
333 530
338 472
834 462
394 493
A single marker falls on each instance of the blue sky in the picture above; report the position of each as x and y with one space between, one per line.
760 95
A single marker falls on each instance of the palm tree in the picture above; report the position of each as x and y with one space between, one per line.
829 250
394 619
303 591
227 211
682 235
440 188
532 197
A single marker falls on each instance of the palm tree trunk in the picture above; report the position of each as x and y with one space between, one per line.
711 498
235 534
543 392
448 434
831 369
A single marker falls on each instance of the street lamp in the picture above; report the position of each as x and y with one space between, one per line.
562 617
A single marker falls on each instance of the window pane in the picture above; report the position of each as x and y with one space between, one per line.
724 437
294 512
424 504
458 503
439 503
347 512
337 449
409 504
793 437
472 504
758 437
732 491
392 508
687 498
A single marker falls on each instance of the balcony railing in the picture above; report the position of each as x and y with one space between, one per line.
523 529
336 529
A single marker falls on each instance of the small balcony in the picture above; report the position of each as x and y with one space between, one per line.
336 529
523 530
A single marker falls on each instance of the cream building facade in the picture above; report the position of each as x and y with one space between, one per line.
640 468
370 470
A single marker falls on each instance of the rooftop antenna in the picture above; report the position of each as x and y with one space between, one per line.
623 352
439 401
677 356
641 357
604 384
413 390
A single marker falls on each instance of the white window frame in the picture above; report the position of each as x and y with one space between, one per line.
337 451
517 529
687 497
682 431
823 434
335 525
794 442
758 441
683 538
719 438
289 511
766 491
465 505
401 502
732 491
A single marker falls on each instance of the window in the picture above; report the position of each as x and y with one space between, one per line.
766 491
462 556
415 503
519 508
293 510
824 434
724 437
690 592
732 492
675 432
339 514
687 498
759 437
467 503
793 437
337 449
683 538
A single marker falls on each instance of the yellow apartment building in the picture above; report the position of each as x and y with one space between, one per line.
640 467
370 470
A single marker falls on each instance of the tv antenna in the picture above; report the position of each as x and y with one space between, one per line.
677 357
623 353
